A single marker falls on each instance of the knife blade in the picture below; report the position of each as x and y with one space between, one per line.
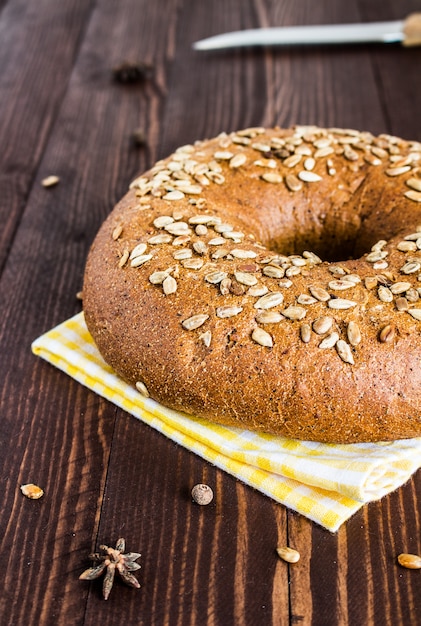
407 32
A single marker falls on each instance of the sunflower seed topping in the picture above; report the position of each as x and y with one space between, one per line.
269 300
169 285
305 333
140 260
142 389
384 294
353 333
294 313
215 277
159 239
162 221
341 304
414 183
274 271
344 351
193 322
415 313
192 264
322 325
228 311
268 317
319 293
245 278
157 278
272 177
340 285
387 334
262 337
138 250
400 287
238 253
329 341
238 160
411 267
413 195
206 337
309 177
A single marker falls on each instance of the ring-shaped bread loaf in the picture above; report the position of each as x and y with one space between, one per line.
270 279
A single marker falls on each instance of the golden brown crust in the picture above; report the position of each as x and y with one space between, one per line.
205 284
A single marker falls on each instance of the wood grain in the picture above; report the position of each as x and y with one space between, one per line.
106 474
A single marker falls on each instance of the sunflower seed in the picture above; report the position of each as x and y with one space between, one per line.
323 152
140 260
415 313
272 177
353 333
329 341
176 194
397 171
341 304
117 232
309 177
201 230
200 247
294 313
238 253
378 255
141 387
271 163
216 241
411 267
257 291
228 311
322 325
319 293
384 294
370 282
387 334
340 285
306 300
206 337
402 304
245 278
309 164
157 278
50 181
261 337
344 351
193 322
400 287
184 253
305 333
272 271
407 246
288 554
138 250
159 239
269 300
410 561
413 195
162 221
124 258
223 155
414 183
268 317
178 228
238 160
293 183
215 277
192 264
261 147
293 160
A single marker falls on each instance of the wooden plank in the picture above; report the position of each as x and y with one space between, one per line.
38 45
61 434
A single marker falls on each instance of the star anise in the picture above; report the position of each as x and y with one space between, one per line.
113 559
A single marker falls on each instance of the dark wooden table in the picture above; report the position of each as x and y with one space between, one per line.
104 473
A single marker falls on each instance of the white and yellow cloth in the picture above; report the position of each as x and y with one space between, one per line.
326 483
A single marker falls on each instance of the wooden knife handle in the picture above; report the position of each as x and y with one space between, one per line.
412 30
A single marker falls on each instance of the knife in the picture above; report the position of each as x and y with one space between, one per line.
407 32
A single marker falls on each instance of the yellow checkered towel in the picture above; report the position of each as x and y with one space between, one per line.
326 483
